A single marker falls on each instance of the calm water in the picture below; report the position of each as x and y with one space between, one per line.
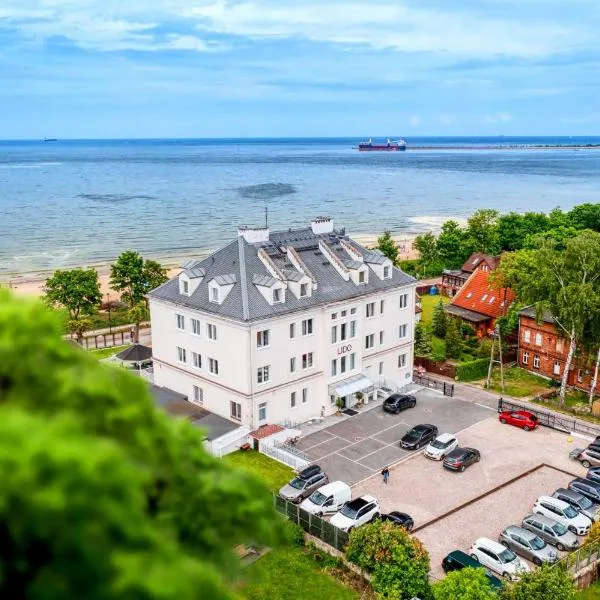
75 202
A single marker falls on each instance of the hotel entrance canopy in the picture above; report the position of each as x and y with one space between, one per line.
347 387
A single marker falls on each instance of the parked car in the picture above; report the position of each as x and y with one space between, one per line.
593 474
519 418
551 531
588 457
441 446
355 513
588 488
563 513
528 545
327 499
579 502
304 484
399 518
398 402
418 436
457 560
460 458
499 559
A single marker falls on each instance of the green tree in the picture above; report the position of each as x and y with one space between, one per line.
450 247
514 228
134 277
547 582
426 245
585 216
136 315
466 584
422 340
386 244
482 231
77 291
439 320
453 339
181 499
398 563
557 236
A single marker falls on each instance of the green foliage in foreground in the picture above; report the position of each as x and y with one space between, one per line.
103 495
545 583
466 584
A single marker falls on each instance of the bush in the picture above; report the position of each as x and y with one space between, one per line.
439 323
466 584
454 341
467 331
294 534
546 583
470 371
409 266
422 340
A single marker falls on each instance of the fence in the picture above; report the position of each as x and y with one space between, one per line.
312 524
436 366
435 384
286 454
551 419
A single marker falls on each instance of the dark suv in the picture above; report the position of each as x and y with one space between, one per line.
457 560
418 436
590 489
398 402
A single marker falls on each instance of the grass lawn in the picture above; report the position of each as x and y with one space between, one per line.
438 348
273 473
291 574
518 382
428 304
591 593
106 352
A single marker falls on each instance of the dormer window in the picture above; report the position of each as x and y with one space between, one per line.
303 290
387 272
277 296
185 287
469 294
361 277
484 297
214 294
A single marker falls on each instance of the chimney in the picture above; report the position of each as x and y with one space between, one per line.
254 235
321 225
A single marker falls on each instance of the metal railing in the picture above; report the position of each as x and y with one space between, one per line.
582 557
286 454
435 384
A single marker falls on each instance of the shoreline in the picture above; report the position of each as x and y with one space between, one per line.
508 147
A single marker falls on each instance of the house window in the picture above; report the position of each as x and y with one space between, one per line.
197 360
262 411
536 361
293 364
559 345
387 272
344 313
332 398
180 322
213 366
262 374
307 327
491 300
484 297
277 296
381 368
214 294
469 294
307 360
352 329
538 339
293 400
527 336
381 306
334 367
556 367
381 338
304 395
361 277
262 338
212 332
186 287
579 376
402 330
195 327
197 395
343 364
292 330
343 331
403 300
181 355
353 311
333 316
525 358
334 334
235 410
352 361
369 341
370 309
303 290
401 361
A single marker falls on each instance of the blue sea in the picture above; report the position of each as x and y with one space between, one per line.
66 203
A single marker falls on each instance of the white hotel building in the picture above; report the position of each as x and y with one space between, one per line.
275 327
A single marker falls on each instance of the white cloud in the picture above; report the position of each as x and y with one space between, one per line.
500 118
414 121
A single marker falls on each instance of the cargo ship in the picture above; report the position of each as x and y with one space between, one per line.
390 146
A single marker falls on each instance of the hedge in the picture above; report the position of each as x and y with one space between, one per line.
475 369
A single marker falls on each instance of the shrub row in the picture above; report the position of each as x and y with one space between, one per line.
470 371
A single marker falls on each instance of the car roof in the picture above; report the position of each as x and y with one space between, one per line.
542 519
588 482
396 396
400 515
555 501
569 493
334 486
445 437
490 544
457 452
515 529
360 501
309 471
423 426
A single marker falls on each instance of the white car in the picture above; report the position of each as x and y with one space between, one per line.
327 499
439 448
497 558
564 513
355 513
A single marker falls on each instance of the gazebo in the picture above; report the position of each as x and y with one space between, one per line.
135 356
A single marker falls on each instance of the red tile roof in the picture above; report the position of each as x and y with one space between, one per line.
474 261
265 431
477 293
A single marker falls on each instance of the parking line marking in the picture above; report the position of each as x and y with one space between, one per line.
484 406
332 436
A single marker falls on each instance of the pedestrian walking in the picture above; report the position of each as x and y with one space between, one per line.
386 474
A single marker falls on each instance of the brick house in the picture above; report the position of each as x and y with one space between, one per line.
453 280
478 303
544 352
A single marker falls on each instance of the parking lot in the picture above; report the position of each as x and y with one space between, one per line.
361 446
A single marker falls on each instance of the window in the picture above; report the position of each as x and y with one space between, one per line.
212 332
525 358
197 360
538 339
559 345
401 361
469 294
292 330
181 355
214 294
361 277
333 316
277 295
343 331
381 306
213 366
334 367
262 411
262 374
334 334
180 322
293 364
491 300
307 327
344 313
352 361
353 311
579 375
403 300
197 395
381 368
352 329
186 287
387 272
381 338
303 290
536 361
293 400
343 364
195 327
556 367
369 341
235 411
484 297
304 395
262 338
527 336
402 331
307 360
370 309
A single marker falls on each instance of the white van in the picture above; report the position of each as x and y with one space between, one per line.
327 499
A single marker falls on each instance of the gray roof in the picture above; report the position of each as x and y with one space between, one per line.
353 264
465 313
193 269
135 353
240 259
225 279
375 257
529 311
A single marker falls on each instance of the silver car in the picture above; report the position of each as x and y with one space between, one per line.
579 502
302 487
527 544
551 531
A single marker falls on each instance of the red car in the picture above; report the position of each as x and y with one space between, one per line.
519 418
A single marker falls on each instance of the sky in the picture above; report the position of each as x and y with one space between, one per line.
273 68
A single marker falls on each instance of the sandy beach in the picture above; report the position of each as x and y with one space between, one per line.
32 284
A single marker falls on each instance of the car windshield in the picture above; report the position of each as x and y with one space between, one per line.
507 556
297 483
349 512
585 502
440 445
413 433
559 529
570 512
533 418
318 498
538 543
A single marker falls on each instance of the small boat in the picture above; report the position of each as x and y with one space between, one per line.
390 146
50 140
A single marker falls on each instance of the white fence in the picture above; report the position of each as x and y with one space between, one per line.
284 455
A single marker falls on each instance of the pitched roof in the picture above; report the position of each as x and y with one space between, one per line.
476 259
135 353
478 295
265 431
529 311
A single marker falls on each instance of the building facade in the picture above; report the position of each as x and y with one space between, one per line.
280 328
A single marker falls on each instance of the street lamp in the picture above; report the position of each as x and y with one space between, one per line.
109 321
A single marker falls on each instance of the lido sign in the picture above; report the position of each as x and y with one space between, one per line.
344 349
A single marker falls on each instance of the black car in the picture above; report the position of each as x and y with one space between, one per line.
418 436
399 518
594 446
590 489
309 471
460 458
457 560
593 474
398 402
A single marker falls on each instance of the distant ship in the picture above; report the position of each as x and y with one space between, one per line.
390 146
50 140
